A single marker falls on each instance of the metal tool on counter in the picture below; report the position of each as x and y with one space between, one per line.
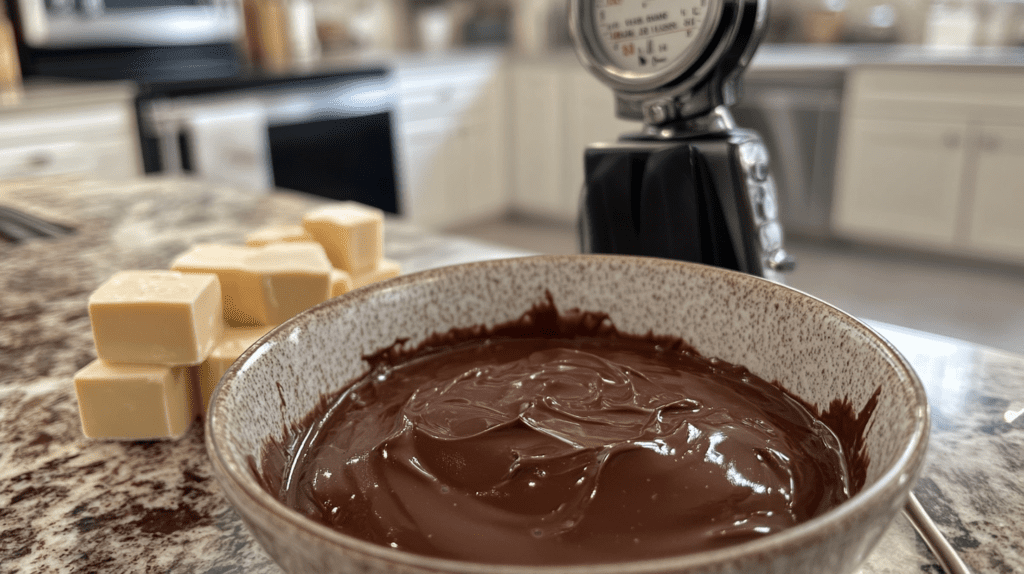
943 551
691 185
17 226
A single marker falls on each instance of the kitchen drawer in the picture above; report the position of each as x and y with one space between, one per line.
442 91
110 159
106 161
47 159
447 99
437 128
91 123
936 94
86 137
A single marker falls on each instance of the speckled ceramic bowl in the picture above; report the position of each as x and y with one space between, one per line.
814 350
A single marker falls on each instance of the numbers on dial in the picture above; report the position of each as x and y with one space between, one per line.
648 35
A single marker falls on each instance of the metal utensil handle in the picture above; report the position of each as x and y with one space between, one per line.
944 552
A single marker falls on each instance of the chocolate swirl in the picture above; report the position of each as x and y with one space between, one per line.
561 450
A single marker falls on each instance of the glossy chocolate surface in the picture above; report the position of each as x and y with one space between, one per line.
557 440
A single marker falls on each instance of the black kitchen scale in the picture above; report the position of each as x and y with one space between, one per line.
691 185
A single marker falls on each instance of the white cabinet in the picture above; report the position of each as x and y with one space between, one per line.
931 158
537 135
71 130
480 135
484 154
452 139
904 181
997 204
558 109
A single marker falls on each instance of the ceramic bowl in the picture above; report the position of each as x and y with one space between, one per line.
812 349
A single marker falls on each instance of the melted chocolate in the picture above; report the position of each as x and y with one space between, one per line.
557 440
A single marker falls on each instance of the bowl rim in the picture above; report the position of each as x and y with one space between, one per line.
236 476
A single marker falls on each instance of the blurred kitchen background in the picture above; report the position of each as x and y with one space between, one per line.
896 127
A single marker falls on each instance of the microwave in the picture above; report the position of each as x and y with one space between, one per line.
82 24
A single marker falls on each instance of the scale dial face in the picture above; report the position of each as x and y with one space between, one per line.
645 38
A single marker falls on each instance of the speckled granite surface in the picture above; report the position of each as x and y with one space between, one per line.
68 504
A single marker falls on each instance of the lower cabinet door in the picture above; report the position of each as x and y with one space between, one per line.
900 181
537 135
997 200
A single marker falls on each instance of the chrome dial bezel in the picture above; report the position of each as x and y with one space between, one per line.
591 51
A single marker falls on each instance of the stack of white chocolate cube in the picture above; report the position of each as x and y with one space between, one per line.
165 338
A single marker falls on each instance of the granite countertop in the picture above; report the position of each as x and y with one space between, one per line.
825 58
50 94
841 57
68 504
769 58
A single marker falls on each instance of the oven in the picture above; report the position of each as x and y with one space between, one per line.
75 24
140 40
329 135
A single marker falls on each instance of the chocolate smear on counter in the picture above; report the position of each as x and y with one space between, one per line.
556 439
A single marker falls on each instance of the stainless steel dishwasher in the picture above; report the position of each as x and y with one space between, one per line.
797 113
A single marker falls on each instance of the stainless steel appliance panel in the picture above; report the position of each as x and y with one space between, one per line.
797 114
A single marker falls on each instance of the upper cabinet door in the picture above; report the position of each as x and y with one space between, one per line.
997 218
900 181
537 135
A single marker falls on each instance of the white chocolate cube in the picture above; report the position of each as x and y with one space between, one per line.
296 276
385 269
234 342
277 234
263 285
352 235
341 282
134 402
156 317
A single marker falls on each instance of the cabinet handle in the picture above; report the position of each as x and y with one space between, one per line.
951 140
39 160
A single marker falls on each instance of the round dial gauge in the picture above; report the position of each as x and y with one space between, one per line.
647 36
